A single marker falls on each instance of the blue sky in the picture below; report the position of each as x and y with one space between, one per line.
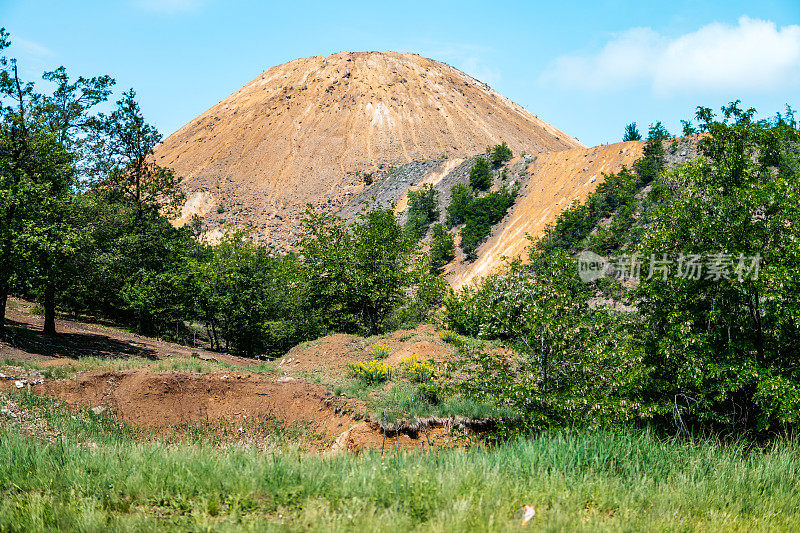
586 67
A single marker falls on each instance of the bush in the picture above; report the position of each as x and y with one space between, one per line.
500 153
480 175
451 337
482 214
443 248
461 197
380 351
371 372
423 210
417 369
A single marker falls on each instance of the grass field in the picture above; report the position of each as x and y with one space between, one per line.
99 476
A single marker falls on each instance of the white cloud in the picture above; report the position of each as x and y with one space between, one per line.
30 48
168 6
754 55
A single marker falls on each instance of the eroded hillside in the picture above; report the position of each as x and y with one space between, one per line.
307 131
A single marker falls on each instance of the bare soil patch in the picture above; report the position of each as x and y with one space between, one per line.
333 353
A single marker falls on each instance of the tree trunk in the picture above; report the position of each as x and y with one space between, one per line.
50 309
3 301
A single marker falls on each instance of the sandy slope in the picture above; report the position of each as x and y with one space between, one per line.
554 181
303 132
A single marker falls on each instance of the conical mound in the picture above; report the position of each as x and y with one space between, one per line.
308 131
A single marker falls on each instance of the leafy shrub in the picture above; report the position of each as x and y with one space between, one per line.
423 210
443 248
500 153
450 337
480 175
482 214
461 197
417 369
380 351
371 372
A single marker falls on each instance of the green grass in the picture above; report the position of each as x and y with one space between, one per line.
577 481
172 364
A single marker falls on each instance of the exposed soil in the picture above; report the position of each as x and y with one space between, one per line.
162 400
308 130
333 354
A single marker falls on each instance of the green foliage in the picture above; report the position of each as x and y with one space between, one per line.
370 372
687 128
480 175
481 215
461 197
380 351
417 369
451 337
423 210
500 153
44 149
707 354
443 248
726 348
576 364
631 133
653 160
356 279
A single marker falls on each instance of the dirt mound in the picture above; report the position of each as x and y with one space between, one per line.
160 399
306 132
332 354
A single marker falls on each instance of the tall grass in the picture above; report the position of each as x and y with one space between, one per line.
577 481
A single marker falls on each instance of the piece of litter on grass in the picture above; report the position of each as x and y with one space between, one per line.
528 512
19 384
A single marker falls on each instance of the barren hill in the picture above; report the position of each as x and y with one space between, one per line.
309 130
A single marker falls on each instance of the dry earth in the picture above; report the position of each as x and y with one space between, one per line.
306 131
165 401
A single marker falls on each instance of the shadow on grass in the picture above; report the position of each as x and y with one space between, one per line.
71 345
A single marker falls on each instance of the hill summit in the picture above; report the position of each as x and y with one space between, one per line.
313 130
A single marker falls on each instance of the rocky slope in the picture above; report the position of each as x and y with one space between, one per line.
309 130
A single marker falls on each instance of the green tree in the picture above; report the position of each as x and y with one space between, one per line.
574 364
44 152
631 133
480 175
356 278
687 128
443 248
724 343
461 197
500 153
423 210
482 214
653 159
